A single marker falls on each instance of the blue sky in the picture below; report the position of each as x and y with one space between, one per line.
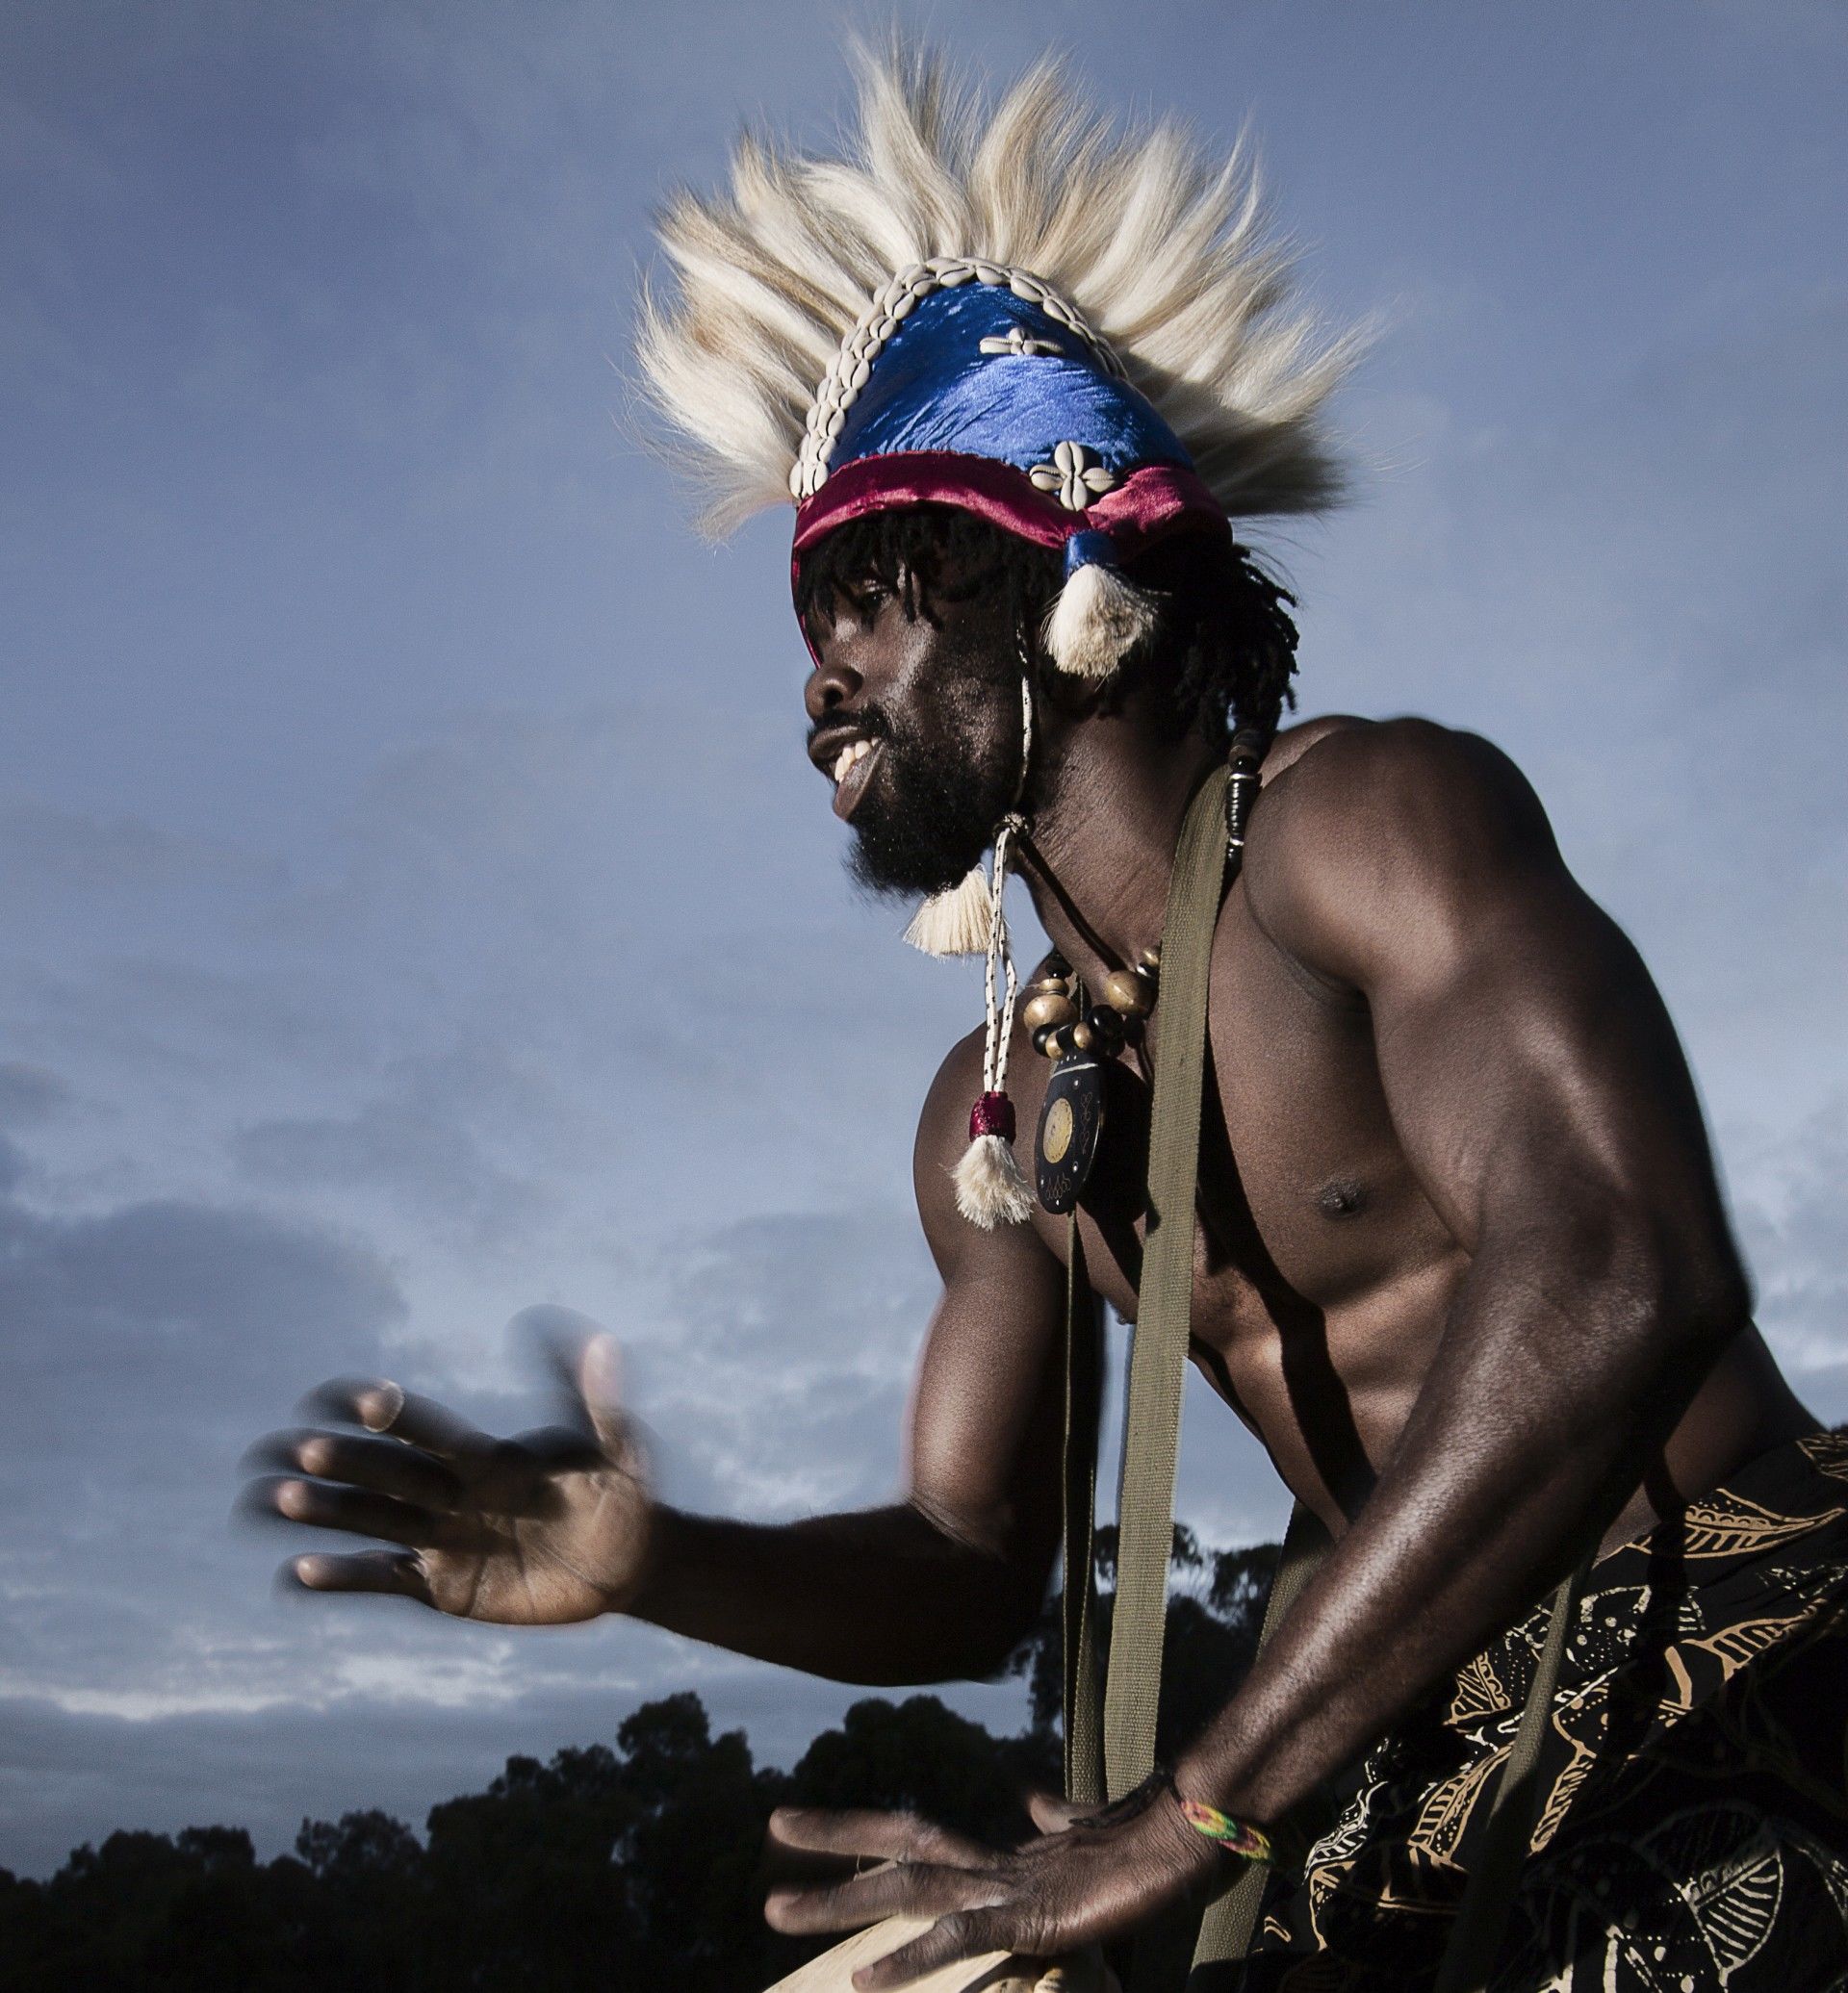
415 908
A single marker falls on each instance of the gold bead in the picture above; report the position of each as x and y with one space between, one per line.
1050 1007
1128 993
1083 1037
1055 1047
1150 960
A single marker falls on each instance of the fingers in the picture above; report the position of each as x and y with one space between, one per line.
912 1889
399 1571
322 1505
381 1406
600 1385
382 1465
546 1449
961 1934
877 1834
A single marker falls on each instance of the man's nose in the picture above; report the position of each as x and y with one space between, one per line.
830 687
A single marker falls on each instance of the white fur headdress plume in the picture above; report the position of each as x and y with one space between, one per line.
1159 244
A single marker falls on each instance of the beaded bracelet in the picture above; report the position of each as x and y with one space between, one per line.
1236 1836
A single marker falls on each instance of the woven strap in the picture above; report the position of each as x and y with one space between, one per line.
1232 1916
1489 1897
1164 1302
1084 1371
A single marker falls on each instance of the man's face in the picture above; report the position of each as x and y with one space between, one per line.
917 722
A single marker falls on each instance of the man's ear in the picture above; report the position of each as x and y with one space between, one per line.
1065 695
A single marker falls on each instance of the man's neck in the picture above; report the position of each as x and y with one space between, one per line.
1102 847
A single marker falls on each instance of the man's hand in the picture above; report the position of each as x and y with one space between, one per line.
549 1527
1079 1879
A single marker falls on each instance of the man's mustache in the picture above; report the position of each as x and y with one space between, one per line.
870 721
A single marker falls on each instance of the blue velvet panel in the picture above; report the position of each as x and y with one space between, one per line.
932 388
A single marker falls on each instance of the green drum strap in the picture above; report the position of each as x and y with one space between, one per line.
1232 1916
1164 1303
1151 1443
1489 1895
1084 1373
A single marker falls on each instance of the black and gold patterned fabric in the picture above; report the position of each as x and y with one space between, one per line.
1693 1827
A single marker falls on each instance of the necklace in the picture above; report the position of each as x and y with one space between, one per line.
1079 1038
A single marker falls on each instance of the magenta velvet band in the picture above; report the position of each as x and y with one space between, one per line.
1151 501
991 1114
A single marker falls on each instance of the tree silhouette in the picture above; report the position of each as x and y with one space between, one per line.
619 1868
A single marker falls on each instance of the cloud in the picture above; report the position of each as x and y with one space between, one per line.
777 1366
140 1345
1793 1225
29 1094
414 1142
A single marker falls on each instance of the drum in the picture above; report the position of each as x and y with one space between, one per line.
833 1971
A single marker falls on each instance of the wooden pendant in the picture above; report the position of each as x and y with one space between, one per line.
1071 1122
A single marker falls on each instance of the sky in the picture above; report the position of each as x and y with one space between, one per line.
417 915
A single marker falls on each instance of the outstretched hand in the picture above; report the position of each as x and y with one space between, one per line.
1082 1877
541 1529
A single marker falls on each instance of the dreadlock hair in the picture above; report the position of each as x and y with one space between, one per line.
1225 653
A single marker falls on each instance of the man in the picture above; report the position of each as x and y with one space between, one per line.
1461 1261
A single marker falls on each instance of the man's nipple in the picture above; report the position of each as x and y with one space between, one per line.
1341 1197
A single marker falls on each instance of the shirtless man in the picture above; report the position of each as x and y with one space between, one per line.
1462 1262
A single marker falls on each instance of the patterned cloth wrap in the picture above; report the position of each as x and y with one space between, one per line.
1692 1830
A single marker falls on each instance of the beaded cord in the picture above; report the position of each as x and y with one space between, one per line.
1245 756
1000 952
1236 1836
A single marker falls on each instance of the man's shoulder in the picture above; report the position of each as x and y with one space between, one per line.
1340 759
943 1123
1363 822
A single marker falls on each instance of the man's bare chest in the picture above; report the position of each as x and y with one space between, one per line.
1306 1198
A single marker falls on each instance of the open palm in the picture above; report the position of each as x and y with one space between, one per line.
545 1528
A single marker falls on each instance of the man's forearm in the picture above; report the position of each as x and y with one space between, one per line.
1545 1398
879 1595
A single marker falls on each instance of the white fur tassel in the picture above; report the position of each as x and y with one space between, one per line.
955 921
990 1185
1098 618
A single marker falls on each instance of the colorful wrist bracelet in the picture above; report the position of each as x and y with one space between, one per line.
1235 1836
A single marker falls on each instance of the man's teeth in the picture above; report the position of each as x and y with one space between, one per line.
855 751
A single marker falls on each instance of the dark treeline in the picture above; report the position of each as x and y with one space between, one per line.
635 1866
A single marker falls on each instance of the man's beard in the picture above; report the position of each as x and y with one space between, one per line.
933 805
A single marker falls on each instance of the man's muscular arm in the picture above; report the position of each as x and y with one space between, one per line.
1537 1088
557 1525
947 1581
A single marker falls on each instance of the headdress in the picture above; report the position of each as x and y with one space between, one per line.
1077 332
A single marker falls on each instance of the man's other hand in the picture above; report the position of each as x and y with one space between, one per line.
541 1529
1082 1877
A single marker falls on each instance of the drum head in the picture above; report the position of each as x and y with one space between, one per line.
833 1971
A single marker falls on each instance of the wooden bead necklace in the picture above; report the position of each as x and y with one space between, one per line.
1079 1037
1057 1016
